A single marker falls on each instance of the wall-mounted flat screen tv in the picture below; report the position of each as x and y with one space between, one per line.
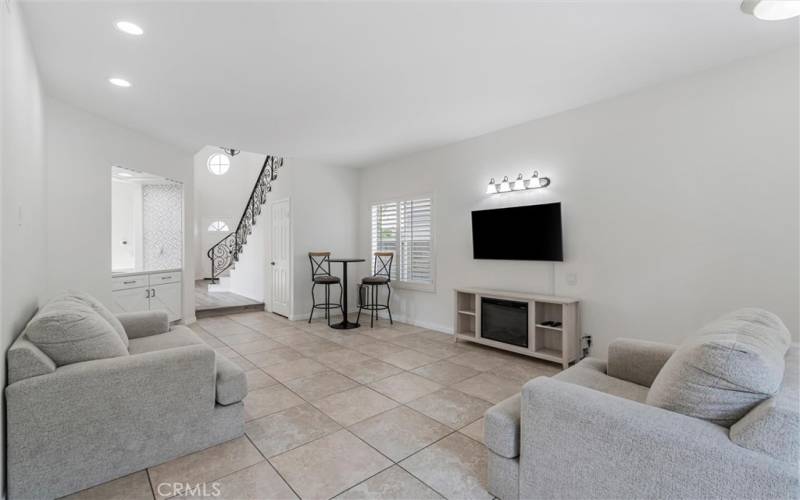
531 232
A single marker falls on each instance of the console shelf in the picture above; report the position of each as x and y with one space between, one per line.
559 344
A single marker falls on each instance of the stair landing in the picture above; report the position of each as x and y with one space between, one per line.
221 303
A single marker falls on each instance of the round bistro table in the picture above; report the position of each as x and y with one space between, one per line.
345 324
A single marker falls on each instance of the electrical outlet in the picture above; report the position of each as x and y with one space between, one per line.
572 279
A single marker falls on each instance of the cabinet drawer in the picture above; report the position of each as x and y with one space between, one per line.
126 282
161 278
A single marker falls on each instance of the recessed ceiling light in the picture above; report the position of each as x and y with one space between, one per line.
130 28
772 10
124 174
119 82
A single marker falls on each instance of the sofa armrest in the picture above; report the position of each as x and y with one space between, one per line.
637 361
582 443
144 323
126 406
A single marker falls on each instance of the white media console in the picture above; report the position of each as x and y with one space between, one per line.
560 344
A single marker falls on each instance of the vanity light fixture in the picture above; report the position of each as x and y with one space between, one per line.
492 187
772 10
520 184
505 186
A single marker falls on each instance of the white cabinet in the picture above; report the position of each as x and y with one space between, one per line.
148 292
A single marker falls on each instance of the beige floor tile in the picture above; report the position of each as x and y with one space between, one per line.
260 345
257 482
399 432
256 379
405 327
296 337
274 330
135 486
330 465
392 484
488 387
442 337
273 357
321 385
262 402
222 327
241 338
454 466
525 370
380 333
340 357
299 368
408 359
377 348
445 372
345 338
313 349
206 465
244 364
414 341
368 371
405 387
479 360
450 407
475 430
354 405
288 429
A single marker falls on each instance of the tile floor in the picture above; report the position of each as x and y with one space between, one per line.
389 412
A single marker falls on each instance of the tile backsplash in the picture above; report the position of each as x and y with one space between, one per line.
162 226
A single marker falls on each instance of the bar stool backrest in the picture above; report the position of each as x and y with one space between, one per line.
320 263
383 264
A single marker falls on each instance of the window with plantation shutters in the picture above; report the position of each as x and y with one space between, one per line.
405 228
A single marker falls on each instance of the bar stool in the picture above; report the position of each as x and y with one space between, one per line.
321 275
371 284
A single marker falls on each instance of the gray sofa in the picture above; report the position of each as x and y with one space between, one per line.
76 425
592 432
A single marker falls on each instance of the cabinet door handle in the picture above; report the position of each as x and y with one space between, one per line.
154 292
148 293
166 277
128 282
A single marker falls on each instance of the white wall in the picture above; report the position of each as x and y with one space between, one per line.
680 202
22 177
81 148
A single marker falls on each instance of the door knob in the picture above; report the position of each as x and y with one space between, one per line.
272 263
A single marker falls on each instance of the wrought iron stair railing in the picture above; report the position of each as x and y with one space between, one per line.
226 252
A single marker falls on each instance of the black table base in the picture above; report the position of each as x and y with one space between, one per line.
345 324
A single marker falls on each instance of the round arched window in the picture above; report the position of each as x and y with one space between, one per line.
218 163
218 226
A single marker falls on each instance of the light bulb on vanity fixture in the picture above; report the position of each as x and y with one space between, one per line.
492 187
505 186
519 184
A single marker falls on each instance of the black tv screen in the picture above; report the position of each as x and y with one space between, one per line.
532 232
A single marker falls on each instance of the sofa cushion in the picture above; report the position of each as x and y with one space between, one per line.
729 367
231 381
773 427
591 373
98 307
69 331
179 336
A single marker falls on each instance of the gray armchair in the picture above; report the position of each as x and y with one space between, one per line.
587 433
74 426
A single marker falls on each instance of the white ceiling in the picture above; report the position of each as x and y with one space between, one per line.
357 83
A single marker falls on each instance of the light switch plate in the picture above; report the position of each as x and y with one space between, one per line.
572 279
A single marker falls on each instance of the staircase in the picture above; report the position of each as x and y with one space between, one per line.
225 253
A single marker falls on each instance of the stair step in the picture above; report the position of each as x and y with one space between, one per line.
224 311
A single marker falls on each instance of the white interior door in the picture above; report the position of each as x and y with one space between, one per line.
281 254
167 297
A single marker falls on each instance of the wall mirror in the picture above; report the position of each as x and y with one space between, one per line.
146 222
